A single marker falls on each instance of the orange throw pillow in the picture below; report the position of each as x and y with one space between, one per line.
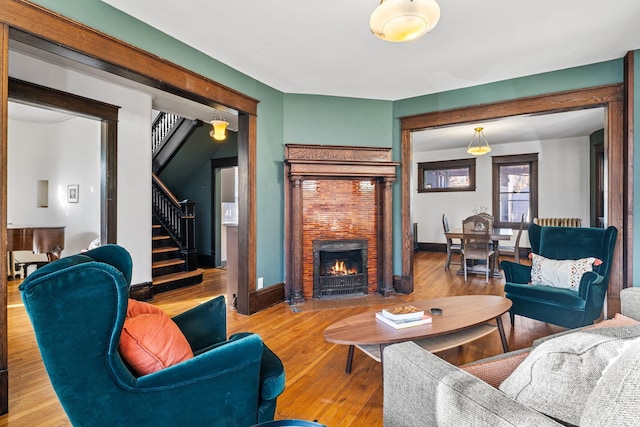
150 340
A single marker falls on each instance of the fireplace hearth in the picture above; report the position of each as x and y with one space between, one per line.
340 268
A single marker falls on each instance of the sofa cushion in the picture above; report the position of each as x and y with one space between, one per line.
615 401
150 340
564 298
559 273
568 366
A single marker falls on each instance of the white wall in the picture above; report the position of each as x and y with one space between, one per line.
563 185
134 149
61 153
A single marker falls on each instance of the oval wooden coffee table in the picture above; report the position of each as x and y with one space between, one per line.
463 319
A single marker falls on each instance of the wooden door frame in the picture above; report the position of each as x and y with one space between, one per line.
57 34
107 114
611 97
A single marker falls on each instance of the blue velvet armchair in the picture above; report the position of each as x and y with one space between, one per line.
559 306
77 306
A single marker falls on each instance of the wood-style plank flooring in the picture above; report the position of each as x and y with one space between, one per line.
317 387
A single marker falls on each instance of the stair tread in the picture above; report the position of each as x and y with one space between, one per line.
176 276
165 249
167 262
160 237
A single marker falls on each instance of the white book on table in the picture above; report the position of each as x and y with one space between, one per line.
401 324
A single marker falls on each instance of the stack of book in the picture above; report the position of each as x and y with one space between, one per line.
403 316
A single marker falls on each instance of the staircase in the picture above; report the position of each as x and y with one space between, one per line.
174 255
169 268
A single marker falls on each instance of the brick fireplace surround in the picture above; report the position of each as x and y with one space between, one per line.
337 192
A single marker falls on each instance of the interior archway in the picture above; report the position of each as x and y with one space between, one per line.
610 97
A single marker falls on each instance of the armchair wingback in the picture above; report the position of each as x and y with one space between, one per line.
561 306
77 306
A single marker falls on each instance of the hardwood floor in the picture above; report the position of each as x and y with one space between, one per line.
317 387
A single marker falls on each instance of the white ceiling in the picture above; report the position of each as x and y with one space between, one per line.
325 47
514 129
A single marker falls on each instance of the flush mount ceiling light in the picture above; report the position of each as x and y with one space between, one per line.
404 20
478 144
218 133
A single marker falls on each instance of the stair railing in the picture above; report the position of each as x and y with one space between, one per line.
178 219
162 126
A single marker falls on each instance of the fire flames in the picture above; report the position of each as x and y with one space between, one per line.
340 269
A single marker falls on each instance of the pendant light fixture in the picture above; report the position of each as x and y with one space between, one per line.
218 133
404 20
478 144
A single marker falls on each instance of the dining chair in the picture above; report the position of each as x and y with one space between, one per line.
514 250
476 243
488 216
452 247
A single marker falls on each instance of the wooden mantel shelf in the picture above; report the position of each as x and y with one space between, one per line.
339 161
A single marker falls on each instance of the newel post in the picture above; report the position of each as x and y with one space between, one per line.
188 235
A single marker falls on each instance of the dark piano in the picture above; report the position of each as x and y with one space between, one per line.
37 239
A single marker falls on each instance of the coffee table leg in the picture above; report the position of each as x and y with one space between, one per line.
503 338
349 360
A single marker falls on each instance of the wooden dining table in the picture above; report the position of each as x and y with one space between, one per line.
496 235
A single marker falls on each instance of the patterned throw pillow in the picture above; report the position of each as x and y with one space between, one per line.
559 273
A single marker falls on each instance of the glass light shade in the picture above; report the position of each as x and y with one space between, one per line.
219 128
478 151
478 144
404 20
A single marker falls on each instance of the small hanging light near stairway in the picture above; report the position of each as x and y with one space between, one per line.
218 133
478 144
404 20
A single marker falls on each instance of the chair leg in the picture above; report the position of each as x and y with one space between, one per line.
464 263
486 279
512 317
446 266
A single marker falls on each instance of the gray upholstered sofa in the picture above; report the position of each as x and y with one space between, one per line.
588 377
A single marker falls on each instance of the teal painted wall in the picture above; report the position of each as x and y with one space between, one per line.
328 120
270 191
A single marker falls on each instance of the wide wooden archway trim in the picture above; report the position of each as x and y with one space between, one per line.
611 97
55 33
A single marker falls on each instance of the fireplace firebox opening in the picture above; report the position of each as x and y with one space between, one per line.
340 268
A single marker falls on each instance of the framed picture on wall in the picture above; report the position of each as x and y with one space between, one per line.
72 193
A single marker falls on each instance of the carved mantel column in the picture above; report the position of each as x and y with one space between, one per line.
386 247
297 295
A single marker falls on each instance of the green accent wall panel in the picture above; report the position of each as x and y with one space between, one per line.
330 120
